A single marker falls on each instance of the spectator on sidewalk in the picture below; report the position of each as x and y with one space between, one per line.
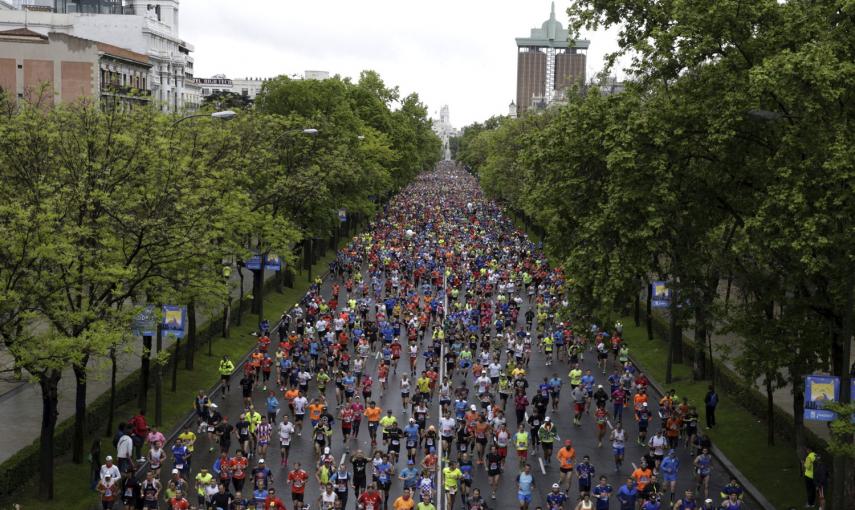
124 450
139 431
711 401
808 471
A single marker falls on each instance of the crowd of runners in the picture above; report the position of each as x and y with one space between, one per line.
437 367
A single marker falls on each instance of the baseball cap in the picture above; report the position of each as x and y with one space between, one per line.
327 449
555 486
568 442
411 462
547 419
174 471
644 404
473 407
108 458
261 461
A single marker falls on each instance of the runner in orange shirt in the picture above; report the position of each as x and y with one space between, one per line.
373 413
642 475
567 457
316 409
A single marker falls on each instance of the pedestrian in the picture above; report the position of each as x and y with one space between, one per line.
710 403
808 474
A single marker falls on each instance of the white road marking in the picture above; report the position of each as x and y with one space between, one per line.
542 468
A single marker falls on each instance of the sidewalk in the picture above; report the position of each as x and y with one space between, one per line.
783 397
22 402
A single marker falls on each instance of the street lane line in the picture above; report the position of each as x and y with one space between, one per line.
542 468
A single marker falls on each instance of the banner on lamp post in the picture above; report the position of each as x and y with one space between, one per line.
174 319
144 323
819 391
272 262
661 295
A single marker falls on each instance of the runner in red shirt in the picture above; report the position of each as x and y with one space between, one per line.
370 499
237 466
297 479
179 502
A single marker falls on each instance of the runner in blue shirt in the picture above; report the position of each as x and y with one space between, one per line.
627 495
525 486
601 493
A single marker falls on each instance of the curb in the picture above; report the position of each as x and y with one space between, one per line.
718 454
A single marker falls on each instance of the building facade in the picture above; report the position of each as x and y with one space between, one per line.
246 87
547 63
147 27
444 130
60 68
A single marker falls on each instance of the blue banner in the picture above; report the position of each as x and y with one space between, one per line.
272 262
144 323
174 319
819 390
342 215
254 263
661 295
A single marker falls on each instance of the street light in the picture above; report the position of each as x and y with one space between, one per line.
223 115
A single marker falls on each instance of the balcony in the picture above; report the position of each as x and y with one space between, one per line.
125 91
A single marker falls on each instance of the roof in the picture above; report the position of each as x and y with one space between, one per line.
23 34
551 34
115 51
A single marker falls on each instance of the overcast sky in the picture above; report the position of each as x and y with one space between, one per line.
456 52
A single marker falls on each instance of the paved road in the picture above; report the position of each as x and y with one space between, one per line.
583 437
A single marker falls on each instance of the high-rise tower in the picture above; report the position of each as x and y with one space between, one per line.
547 63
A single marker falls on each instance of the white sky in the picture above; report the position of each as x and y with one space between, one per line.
456 52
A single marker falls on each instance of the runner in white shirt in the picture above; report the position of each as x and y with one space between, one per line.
286 428
483 384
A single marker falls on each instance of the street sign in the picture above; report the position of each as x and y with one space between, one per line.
661 295
819 390
342 215
174 319
254 263
144 323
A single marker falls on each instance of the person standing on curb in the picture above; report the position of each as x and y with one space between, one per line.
710 402
808 471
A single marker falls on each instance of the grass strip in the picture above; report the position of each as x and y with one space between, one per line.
71 482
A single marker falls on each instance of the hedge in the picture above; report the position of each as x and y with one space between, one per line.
20 468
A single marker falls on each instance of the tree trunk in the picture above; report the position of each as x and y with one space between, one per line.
701 334
842 477
309 262
649 316
145 373
227 313
798 385
158 382
49 384
108 431
637 310
240 297
191 335
770 410
174 360
258 292
79 411
673 339
280 280
677 332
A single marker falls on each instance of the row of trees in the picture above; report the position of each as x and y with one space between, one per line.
103 212
727 162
